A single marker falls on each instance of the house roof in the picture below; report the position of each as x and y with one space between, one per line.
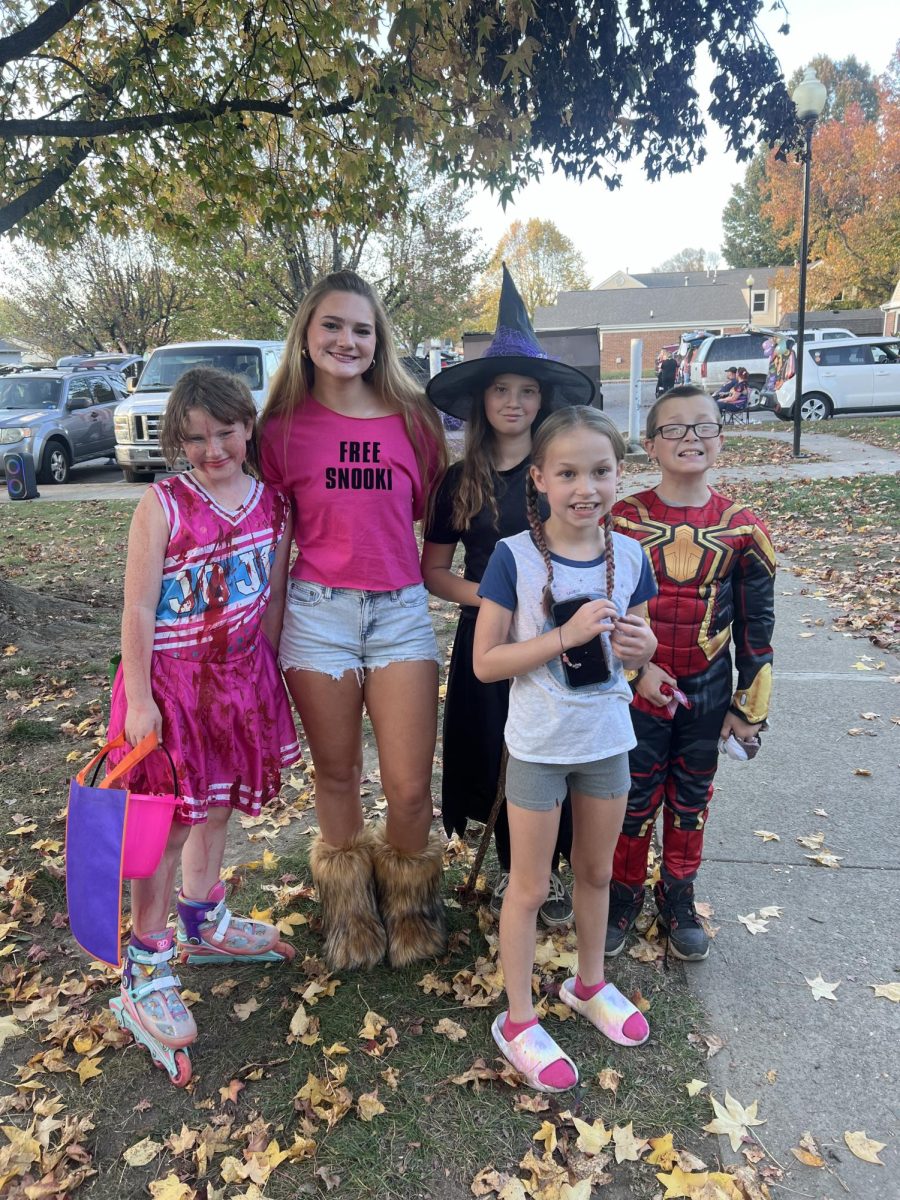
8 347
705 300
762 278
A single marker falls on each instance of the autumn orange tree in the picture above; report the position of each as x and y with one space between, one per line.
541 259
854 203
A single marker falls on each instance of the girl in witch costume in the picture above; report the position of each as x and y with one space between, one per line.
503 397
351 439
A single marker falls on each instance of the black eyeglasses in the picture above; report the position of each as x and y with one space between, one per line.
674 433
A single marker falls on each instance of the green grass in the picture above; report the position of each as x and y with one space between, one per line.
877 431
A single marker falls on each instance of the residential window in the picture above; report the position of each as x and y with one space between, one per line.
760 301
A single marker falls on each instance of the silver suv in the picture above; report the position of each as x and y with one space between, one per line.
59 417
139 418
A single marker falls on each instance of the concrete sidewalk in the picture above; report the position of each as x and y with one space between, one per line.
827 1066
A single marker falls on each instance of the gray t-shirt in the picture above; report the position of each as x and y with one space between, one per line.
548 720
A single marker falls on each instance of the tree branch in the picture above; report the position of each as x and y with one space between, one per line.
45 127
49 185
24 41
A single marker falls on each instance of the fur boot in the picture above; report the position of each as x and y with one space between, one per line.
354 934
410 900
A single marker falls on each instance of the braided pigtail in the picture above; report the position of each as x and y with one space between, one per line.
610 555
537 529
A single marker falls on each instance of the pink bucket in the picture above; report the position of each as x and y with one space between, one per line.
148 820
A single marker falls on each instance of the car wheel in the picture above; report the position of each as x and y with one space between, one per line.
815 407
54 464
138 476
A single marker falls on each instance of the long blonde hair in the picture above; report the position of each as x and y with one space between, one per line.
293 382
564 419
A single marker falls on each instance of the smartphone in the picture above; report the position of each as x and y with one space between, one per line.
587 664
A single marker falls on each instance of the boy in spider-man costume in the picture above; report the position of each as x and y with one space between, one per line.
715 569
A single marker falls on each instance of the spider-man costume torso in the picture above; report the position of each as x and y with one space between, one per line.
715 569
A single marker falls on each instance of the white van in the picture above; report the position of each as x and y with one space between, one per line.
854 374
138 419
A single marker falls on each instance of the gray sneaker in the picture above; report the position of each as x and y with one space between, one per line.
498 893
556 912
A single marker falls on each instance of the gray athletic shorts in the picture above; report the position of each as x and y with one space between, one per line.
540 787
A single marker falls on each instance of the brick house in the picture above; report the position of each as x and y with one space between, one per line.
659 307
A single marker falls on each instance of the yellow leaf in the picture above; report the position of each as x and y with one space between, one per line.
663 1153
577 1191
628 1147
591 1138
246 1009
639 1001
864 1148
261 914
142 1152
231 1091
807 1157
733 1120
704 1185
887 991
191 998
369 1106
513 1189
610 1079
450 1029
27 1148
299 1021
269 860
372 1026
766 835
181 1143
9 1028
547 1135
88 1069
336 1048
695 1086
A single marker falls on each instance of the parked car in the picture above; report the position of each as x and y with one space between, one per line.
860 375
129 365
59 417
721 351
138 419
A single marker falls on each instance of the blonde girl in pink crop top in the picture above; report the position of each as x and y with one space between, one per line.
352 441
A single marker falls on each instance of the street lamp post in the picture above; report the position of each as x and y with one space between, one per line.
809 100
749 281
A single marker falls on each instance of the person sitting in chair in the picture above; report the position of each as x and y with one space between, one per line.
738 399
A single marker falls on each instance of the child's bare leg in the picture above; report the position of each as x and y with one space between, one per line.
151 899
201 858
532 838
597 825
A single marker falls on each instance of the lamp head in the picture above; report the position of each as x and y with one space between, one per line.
749 281
810 96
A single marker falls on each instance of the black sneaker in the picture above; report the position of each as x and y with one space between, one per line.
625 904
556 912
679 921
498 893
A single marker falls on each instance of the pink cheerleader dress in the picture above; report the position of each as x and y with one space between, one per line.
226 717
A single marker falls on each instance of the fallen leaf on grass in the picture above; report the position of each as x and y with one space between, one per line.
628 1147
372 1026
663 1153
9 1028
640 1002
87 1069
576 1191
864 1148
710 1041
610 1079
767 835
732 1120
246 1009
170 1188
547 1135
695 1086
704 1185
887 991
822 990
450 1029
530 1102
231 1091
645 951
591 1138
142 1152
369 1106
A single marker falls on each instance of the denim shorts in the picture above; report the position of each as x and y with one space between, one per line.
540 786
334 630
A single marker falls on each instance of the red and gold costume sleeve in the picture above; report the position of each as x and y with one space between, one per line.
714 568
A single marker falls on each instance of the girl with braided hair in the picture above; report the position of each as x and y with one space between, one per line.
559 599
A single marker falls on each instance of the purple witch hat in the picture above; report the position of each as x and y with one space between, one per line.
514 350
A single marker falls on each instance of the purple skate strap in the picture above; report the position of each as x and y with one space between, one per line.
95 840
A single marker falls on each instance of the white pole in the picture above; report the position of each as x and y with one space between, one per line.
434 358
634 392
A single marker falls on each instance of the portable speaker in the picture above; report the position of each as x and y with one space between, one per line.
20 478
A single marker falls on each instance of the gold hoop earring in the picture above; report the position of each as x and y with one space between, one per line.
305 352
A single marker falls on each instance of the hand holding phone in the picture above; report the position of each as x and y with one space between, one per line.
581 620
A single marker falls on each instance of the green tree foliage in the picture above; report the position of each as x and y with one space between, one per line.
104 293
750 238
100 103
541 259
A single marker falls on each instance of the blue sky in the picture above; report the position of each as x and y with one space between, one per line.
644 223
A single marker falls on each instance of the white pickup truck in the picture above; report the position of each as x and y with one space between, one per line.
138 418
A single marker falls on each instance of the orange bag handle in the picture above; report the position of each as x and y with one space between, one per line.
145 747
